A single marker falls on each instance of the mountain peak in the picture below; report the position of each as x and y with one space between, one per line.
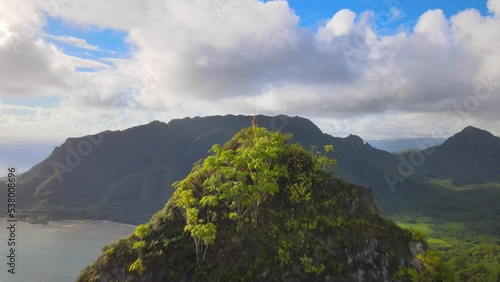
469 155
472 135
355 139
473 130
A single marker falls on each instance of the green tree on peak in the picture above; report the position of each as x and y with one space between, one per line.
240 175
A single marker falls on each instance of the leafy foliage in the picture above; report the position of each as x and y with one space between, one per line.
138 266
142 231
323 161
475 263
239 176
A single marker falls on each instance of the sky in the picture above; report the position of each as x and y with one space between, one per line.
377 69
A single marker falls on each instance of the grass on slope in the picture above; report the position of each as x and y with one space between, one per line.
449 184
428 230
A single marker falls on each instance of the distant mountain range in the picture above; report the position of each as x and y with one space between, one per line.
405 144
24 155
127 175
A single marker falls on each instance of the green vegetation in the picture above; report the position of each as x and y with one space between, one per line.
141 232
262 209
450 184
466 232
471 262
432 260
470 256
423 227
405 152
454 226
240 179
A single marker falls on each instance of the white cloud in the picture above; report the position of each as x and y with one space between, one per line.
340 24
77 62
434 26
396 13
494 6
77 42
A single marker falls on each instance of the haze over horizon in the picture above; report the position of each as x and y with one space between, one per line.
388 70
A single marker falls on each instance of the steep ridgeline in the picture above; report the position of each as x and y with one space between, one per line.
470 156
127 175
262 209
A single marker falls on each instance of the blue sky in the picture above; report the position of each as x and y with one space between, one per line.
110 42
312 13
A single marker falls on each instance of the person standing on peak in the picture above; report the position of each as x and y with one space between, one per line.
254 121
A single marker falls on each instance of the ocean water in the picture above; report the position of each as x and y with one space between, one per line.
56 252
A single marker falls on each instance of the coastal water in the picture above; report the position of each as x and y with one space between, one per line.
56 252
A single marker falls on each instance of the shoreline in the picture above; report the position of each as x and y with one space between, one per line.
67 223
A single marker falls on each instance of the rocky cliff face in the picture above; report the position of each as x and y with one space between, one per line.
311 226
365 248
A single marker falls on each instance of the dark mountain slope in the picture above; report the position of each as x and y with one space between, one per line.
127 175
470 156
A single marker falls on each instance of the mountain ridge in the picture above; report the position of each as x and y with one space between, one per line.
126 175
470 156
